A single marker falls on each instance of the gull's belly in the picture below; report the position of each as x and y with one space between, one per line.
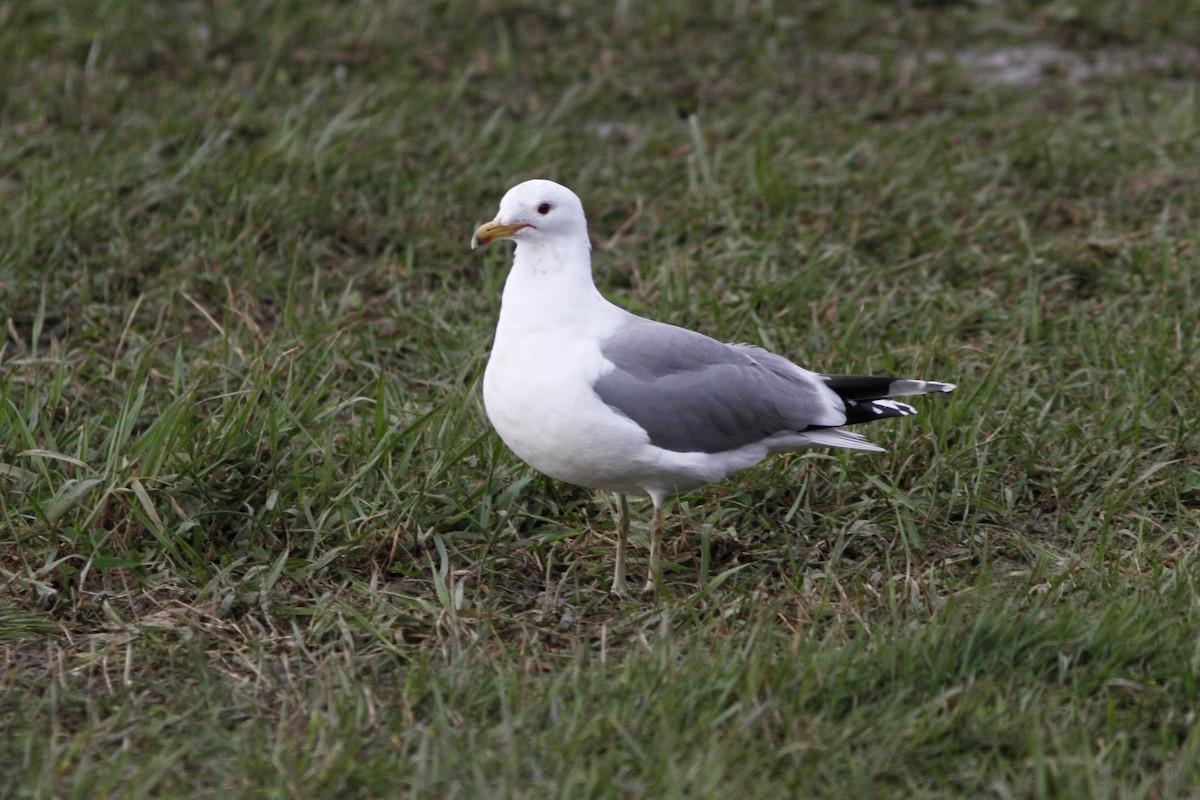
540 401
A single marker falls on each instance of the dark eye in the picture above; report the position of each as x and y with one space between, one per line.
544 209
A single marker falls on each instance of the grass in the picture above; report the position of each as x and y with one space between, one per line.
257 538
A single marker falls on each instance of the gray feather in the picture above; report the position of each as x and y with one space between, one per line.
694 394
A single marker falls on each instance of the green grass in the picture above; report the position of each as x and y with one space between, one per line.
258 539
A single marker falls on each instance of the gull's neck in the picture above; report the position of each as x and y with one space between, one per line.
550 286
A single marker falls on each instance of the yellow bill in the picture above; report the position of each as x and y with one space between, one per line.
489 232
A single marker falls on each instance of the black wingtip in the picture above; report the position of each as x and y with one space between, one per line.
870 410
864 387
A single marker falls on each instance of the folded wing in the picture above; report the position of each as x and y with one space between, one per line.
691 393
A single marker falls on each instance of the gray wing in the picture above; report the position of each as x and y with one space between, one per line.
695 394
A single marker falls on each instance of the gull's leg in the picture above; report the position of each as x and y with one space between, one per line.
656 537
618 584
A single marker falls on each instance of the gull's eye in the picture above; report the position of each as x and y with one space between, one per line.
544 209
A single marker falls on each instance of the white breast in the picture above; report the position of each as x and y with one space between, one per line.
538 396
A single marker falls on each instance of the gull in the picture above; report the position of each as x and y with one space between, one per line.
591 394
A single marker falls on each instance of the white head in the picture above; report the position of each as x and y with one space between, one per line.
537 212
